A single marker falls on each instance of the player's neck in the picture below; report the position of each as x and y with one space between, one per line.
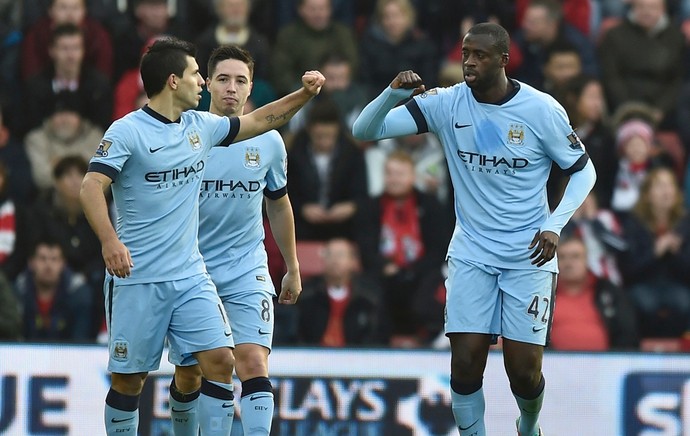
496 93
164 106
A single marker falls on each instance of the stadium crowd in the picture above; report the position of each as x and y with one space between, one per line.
373 220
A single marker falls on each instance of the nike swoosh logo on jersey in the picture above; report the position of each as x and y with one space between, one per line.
256 397
153 150
461 126
226 405
227 335
461 428
263 332
537 329
116 421
182 411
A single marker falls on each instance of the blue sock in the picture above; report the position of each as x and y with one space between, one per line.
183 411
529 410
121 414
257 406
468 408
216 408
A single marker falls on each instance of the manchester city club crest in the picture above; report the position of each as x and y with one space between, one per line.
120 351
194 140
516 134
252 157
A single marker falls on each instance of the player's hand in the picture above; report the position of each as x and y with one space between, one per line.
546 243
118 260
290 288
315 214
313 81
408 80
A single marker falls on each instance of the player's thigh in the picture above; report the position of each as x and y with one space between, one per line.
528 301
251 317
137 317
472 298
198 322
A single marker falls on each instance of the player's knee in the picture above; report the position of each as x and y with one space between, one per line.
217 364
523 376
467 366
187 378
252 365
128 384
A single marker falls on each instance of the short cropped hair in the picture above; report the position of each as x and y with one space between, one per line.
229 51
165 57
496 32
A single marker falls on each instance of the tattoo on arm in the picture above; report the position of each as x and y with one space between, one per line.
282 117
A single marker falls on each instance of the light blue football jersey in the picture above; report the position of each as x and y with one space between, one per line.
157 167
231 231
499 158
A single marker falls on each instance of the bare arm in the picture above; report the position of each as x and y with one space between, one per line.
282 222
116 256
279 112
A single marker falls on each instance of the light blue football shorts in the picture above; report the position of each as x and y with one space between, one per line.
140 317
513 303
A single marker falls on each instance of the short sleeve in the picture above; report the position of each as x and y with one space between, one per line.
430 109
561 142
276 176
113 151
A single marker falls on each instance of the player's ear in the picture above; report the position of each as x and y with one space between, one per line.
208 82
172 81
505 58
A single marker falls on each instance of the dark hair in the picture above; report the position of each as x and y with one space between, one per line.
45 238
553 8
68 101
561 46
496 32
323 111
67 29
334 57
68 163
229 51
165 57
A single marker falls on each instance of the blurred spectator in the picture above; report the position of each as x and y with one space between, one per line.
655 266
20 184
327 176
15 228
63 133
541 27
348 95
583 100
592 314
129 92
10 51
148 19
393 43
343 11
431 170
562 64
636 148
602 234
403 235
59 213
55 303
340 307
68 74
232 27
301 45
98 50
10 320
575 12
654 78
